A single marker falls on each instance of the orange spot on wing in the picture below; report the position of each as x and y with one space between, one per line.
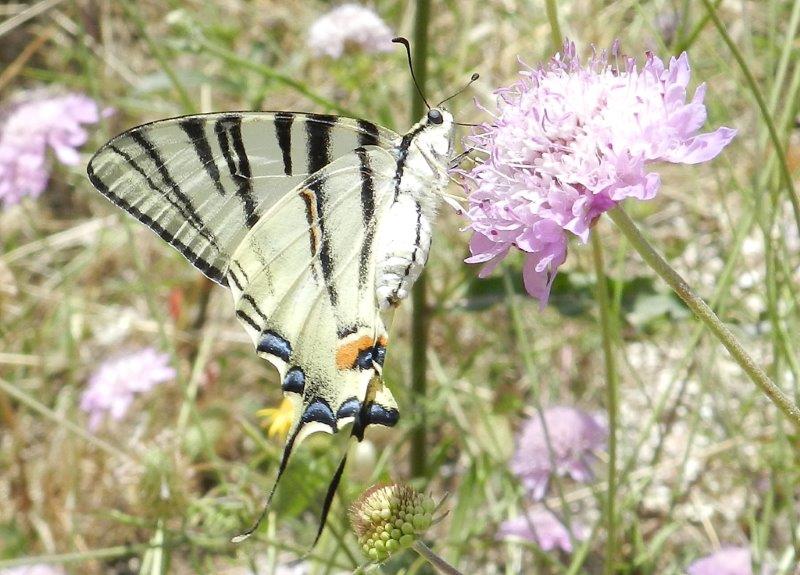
347 353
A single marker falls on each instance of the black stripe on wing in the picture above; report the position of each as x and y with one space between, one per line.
369 134
318 151
229 134
367 216
194 128
174 195
209 270
283 133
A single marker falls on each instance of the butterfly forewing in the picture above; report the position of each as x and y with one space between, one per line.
201 182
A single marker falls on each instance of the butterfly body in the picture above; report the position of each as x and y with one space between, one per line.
405 238
315 223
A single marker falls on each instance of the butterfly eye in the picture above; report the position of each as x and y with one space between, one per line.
435 116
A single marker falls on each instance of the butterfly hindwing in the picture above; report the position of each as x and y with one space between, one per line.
201 182
304 286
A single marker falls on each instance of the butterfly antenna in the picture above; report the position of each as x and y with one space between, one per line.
404 42
287 451
474 77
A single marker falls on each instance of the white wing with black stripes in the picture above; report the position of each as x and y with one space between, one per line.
201 182
315 223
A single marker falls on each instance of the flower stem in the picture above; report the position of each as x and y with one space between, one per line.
555 30
419 319
612 386
440 564
705 314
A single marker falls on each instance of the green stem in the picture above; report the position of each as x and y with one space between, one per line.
783 165
612 387
419 319
705 314
555 30
440 564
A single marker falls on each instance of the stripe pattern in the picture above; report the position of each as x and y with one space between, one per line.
284 209
324 338
202 182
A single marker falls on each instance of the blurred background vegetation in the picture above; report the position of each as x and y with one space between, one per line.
705 460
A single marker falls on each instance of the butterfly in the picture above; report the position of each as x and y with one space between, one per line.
317 224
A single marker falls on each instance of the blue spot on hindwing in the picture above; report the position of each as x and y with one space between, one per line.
349 408
319 410
379 415
274 344
295 381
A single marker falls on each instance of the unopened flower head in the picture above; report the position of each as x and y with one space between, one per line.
573 437
726 561
112 387
349 26
567 143
544 529
387 518
28 128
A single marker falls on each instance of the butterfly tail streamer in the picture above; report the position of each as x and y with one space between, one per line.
333 486
357 433
287 451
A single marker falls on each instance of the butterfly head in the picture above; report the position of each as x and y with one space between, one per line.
434 134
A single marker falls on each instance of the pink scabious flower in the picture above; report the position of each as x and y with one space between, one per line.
112 387
349 26
726 561
566 449
544 529
567 143
27 128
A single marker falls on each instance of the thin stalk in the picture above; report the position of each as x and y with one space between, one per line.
612 390
555 29
705 314
524 349
419 319
783 164
440 564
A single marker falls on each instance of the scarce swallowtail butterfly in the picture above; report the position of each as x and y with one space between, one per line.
316 224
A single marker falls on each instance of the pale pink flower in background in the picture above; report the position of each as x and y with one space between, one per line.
573 436
567 143
544 529
29 127
349 26
112 387
726 561
36 569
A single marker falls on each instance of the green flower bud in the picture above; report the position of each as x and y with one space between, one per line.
388 518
